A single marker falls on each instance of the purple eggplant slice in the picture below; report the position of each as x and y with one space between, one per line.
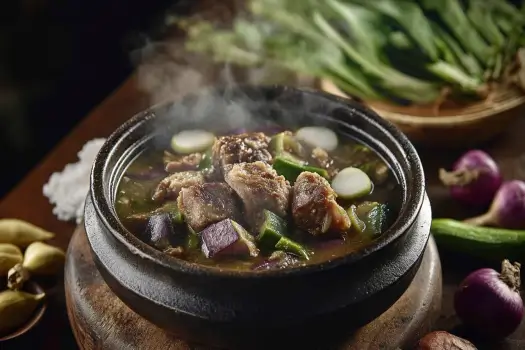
227 238
159 231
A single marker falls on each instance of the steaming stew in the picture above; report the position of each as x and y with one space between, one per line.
258 200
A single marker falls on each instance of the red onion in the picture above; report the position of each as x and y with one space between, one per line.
474 179
507 209
490 302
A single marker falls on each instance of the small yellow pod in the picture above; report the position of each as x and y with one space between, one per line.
21 233
10 255
16 308
43 259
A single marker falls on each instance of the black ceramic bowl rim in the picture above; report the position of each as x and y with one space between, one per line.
407 215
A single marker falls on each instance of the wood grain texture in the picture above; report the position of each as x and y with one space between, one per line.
101 321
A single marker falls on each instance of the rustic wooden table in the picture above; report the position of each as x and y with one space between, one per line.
26 202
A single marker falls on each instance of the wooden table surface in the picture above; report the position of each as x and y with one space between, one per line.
27 202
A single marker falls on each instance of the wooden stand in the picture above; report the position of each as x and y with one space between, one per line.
101 321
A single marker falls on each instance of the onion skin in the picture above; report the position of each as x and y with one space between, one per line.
474 180
489 302
507 209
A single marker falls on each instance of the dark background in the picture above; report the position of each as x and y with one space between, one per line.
58 60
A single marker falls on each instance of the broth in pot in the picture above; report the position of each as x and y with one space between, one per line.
258 201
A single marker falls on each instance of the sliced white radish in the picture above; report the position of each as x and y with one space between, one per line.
351 183
191 141
318 136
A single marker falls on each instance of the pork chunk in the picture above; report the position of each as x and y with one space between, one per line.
242 148
206 204
314 208
170 187
175 163
259 187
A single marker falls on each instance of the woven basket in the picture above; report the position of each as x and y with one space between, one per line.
454 127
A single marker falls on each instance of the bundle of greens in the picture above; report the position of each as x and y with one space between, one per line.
402 51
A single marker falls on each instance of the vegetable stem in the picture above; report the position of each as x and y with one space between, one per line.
454 17
400 84
460 177
510 274
401 51
481 220
454 75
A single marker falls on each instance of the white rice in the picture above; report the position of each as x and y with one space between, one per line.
67 190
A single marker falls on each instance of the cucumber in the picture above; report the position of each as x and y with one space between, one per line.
291 169
490 243
357 224
272 236
205 162
272 230
289 246
374 217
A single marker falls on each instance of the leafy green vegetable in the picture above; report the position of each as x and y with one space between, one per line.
482 20
449 46
405 51
401 85
409 16
452 14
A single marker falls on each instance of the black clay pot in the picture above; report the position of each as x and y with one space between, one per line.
298 306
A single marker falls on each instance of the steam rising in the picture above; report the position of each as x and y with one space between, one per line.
166 72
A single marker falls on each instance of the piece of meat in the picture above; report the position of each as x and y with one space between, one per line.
206 204
259 187
170 187
324 161
314 208
174 163
242 148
